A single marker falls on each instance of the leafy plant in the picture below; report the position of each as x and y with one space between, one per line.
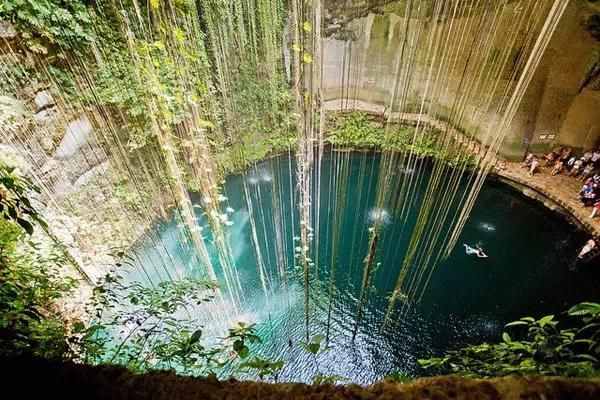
359 130
399 377
544 348
262 367
356 129
31 279
314 345
46 23
328 379
15 205
31 285
150 328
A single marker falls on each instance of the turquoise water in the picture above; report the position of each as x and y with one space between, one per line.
468 300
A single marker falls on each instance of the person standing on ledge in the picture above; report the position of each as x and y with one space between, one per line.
534 166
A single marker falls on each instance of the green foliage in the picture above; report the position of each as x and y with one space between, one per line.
264 122
328 379
262 367
128 196
31 282
132 322
154 328
14 203
118 89
47 23
359 130
241 335
262 108
398 377
544 348
14 75
314 345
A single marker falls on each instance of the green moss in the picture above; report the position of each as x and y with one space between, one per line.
361 130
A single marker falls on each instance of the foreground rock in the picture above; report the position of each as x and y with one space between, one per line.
68 380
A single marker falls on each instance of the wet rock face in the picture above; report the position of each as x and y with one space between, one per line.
339 13
7 30
12 114
45 116
43 100
77 134
87 177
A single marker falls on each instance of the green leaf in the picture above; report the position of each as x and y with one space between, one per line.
78 327
584 308
25 225
244 352
587 357
590 326
584 341
196 336
313 347
516 323
317 339
240 348
506 337
545 320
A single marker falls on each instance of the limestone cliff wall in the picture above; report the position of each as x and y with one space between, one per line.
561 105
563 99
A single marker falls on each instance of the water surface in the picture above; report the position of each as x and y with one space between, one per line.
468 300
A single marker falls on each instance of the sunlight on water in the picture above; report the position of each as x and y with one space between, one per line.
468 299
487 227
380 216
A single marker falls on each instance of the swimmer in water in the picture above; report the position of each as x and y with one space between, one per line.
478 251
589 246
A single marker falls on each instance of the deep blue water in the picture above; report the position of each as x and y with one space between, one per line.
468 300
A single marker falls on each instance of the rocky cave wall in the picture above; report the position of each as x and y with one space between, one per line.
66 149
561 105
61 147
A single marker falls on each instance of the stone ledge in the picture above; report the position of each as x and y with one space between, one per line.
570 208
565 201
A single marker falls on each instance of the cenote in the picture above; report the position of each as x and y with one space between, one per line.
209 198
468 300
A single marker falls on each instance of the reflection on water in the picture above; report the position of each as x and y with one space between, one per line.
468 299
379 216
487 227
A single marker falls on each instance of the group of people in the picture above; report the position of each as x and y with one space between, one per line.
586 168
562 159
